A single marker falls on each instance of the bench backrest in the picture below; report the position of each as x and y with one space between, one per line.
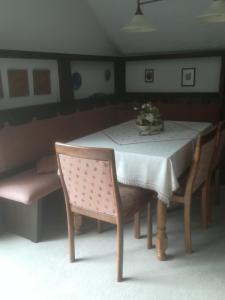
22 144
206 112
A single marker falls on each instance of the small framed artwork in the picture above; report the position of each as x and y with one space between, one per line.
149 75
41 82
107 74
188 77
18 83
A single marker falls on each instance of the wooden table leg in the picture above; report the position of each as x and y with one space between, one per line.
161 238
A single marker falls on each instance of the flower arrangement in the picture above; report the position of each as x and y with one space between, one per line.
149 120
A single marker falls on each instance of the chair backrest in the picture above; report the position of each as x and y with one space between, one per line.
220 144
88 177
202 160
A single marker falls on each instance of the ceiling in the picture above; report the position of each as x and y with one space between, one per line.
64 26
178 28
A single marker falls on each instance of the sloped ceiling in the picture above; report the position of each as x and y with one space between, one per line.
178 28
67 26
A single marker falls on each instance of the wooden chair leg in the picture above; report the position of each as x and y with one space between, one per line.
119 251
205 206
217 186
187 227
212 199
78 220
70 224
149 226
137 227
99 226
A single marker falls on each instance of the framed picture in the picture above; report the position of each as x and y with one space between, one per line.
41 82
107 74
188 77
18 83
149 75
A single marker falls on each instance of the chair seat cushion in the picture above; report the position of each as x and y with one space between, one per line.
29 186
133 198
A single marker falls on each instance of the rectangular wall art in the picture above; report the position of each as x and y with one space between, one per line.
18 83
149 75
41 82
188 77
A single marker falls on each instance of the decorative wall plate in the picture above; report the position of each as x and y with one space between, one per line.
77 80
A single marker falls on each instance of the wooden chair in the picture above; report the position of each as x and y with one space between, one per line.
213 179
196 179
220 144
88 177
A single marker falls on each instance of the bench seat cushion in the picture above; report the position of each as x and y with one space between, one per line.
29 186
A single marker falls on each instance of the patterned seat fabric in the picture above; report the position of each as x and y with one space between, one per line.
132 198
90 186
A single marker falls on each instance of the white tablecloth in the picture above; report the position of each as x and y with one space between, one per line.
152 162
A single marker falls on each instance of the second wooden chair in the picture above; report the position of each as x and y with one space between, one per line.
196 179
214 178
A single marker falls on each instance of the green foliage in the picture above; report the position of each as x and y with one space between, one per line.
149 115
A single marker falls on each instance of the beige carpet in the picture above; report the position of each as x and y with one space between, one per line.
42 271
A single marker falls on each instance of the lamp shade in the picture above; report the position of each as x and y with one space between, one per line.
215 12
139 24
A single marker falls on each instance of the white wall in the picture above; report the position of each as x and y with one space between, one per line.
93 80
66 26
167 75
8 102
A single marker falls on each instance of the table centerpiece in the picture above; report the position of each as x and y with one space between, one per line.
149 120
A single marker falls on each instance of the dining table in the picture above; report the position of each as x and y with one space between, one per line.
153 162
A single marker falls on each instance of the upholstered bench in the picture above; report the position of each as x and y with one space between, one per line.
27 178
26 192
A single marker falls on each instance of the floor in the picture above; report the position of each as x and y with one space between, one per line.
42 271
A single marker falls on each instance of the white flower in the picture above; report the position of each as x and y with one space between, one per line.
150 117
